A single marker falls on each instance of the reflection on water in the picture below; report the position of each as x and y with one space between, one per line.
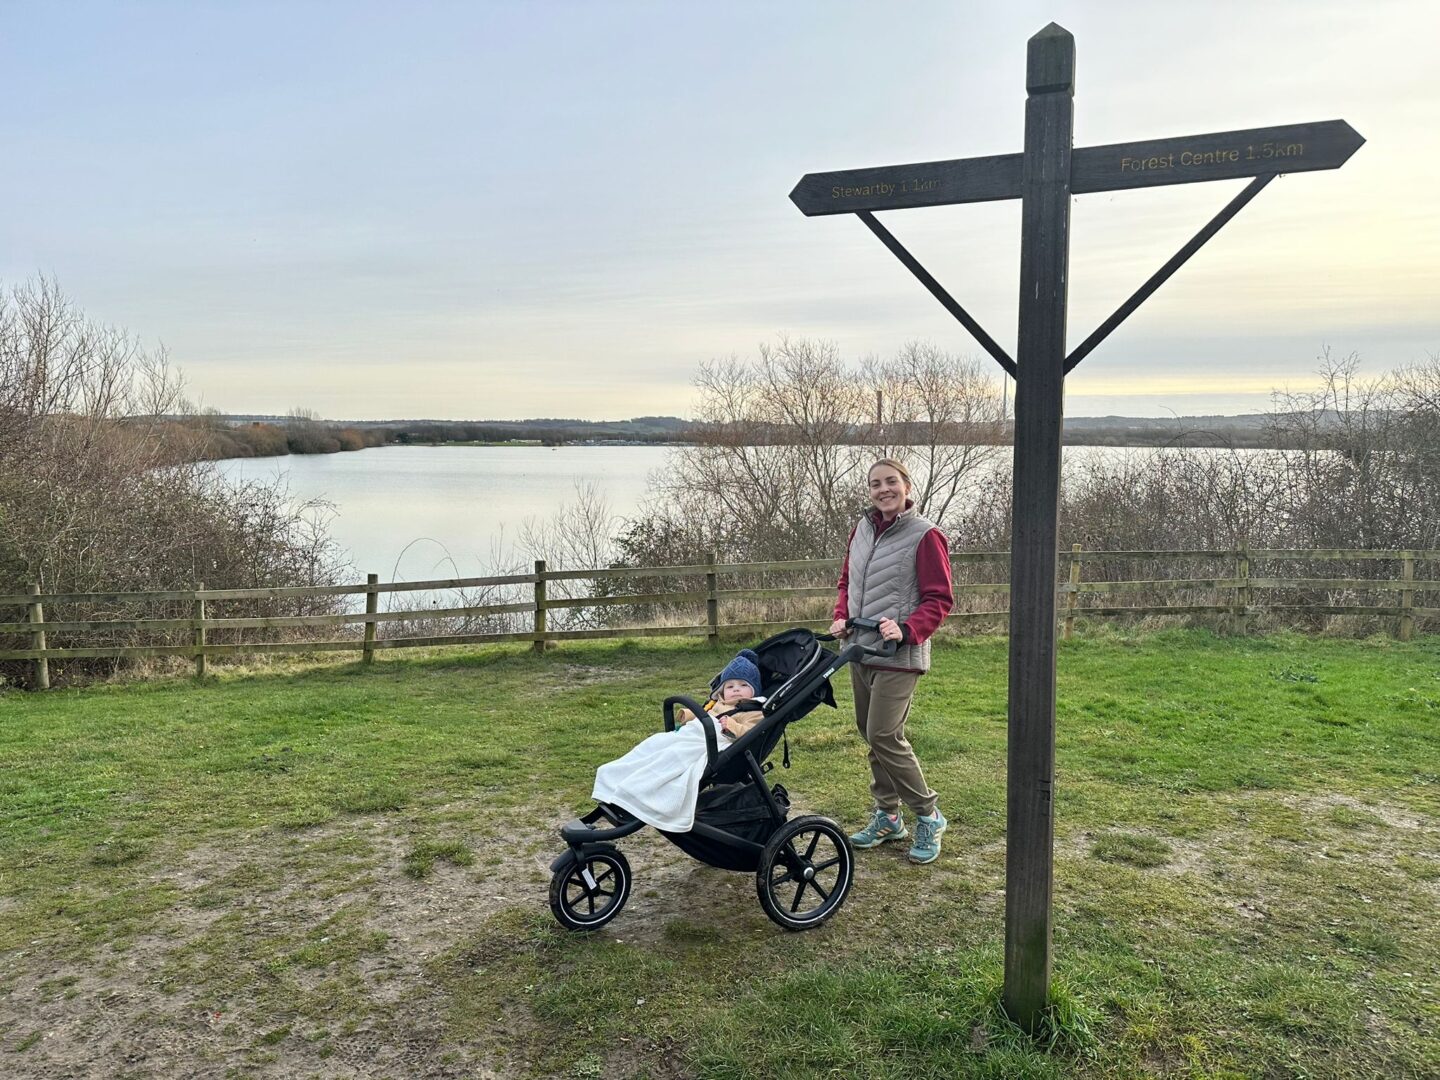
410 513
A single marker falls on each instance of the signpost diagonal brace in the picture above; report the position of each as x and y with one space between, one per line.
1124 311
947 301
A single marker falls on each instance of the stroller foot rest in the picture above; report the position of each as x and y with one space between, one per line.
613 823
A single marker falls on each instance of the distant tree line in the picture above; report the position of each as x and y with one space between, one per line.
212 436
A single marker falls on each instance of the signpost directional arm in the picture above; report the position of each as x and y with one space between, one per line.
1160 276
937 290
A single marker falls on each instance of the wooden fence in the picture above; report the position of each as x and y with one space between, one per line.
1238 597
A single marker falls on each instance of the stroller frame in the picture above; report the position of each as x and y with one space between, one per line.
804 868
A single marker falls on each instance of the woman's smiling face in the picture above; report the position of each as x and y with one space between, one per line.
888 490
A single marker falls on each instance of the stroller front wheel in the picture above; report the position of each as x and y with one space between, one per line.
589 891
805 873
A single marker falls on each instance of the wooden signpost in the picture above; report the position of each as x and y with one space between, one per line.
1044 177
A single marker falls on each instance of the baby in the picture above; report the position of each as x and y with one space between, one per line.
737 685
659 780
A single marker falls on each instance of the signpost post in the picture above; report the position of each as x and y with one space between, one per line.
1044 177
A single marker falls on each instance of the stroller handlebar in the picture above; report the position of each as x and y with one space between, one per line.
886 648
712 747
679 699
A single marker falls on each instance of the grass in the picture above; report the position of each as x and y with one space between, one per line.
420 859
328 860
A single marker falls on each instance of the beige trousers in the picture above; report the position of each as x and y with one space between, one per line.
882 704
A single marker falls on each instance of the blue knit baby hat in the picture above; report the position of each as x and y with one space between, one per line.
745 666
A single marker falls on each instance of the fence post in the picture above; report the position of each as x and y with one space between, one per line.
1070 600
372 605
1241 617
37 640
199 616
712 601
1407 596
539 605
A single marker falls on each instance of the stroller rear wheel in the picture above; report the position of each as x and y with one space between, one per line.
805 872
589 891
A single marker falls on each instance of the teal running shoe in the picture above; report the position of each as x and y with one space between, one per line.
882 827
926 848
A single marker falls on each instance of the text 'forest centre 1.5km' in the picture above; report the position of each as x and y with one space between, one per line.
1194 158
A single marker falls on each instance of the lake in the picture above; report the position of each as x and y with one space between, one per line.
410 513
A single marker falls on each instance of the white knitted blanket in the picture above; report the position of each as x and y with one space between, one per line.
659 780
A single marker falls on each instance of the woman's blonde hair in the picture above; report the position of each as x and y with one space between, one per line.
890 462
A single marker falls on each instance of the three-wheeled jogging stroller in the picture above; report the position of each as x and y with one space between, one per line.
803 868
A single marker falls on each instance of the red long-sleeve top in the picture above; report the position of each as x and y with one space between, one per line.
932 575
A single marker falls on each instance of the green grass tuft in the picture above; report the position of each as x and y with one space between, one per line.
420 859
1131 848
372 800
117 852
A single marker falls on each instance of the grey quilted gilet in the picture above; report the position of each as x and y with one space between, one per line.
882 584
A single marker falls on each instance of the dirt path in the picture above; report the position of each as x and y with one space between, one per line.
212 987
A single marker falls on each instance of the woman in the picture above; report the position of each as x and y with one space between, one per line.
897 570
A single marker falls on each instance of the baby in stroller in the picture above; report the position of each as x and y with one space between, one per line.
659 780
803 866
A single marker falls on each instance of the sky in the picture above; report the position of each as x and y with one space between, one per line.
505 210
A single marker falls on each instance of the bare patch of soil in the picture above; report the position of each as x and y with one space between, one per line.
1394 816
135 1010
132 1012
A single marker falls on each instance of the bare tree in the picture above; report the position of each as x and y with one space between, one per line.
1364 458
96 494
942 417
778 471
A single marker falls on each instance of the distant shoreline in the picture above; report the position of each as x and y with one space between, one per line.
221 438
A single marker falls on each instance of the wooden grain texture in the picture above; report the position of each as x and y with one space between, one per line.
275 622
40 668
626 600
23 600
712 598
1039 412
1182 159
901 187
1070 592
1406 629
540 598
199 640
372 607
620 572
1156 609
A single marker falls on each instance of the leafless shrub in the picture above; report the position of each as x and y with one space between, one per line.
94 497
778 470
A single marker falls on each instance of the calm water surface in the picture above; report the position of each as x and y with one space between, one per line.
409 513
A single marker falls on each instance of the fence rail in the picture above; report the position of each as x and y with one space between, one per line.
1232 595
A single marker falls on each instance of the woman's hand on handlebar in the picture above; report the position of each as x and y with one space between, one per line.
839 629
890 630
